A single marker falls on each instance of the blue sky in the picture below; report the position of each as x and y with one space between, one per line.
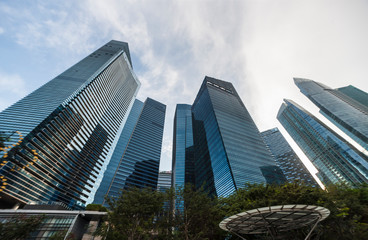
259 46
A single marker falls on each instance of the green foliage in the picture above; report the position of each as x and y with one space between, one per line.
349 213
96 207
147 214
188 214
196 215
20 227
133 215
259 195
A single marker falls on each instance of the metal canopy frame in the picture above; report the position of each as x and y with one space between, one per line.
275 219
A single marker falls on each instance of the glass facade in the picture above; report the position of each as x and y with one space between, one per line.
164 181
67 129
351 116
124 138
229 151
183 148
137 153
355 94
285 157
336 160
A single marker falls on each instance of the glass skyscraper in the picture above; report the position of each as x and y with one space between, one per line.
229 151
136 159
340 107
285 157
183 147
336 160
66 130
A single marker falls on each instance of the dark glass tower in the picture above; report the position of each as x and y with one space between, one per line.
229 151
350 115
136 159
69 127
285 157
336 160
183 149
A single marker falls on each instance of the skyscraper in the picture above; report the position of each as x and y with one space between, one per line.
336 160
229 151
67 129
136 159
345 112
183 147
285 157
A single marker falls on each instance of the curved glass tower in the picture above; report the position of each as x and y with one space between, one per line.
229 151
69 128
346 108
336 160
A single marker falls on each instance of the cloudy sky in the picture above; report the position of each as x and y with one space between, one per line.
257 45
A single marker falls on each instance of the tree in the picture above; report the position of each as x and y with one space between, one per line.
133 215
20 227
349 213
197 215
148 214
96 207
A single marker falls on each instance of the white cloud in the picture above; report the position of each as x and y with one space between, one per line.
2 30
316 40
58 26
12 87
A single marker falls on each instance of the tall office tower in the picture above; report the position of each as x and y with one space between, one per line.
136 159
183 148
229 150
290 164
164 181
67 129
346 113
336 160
